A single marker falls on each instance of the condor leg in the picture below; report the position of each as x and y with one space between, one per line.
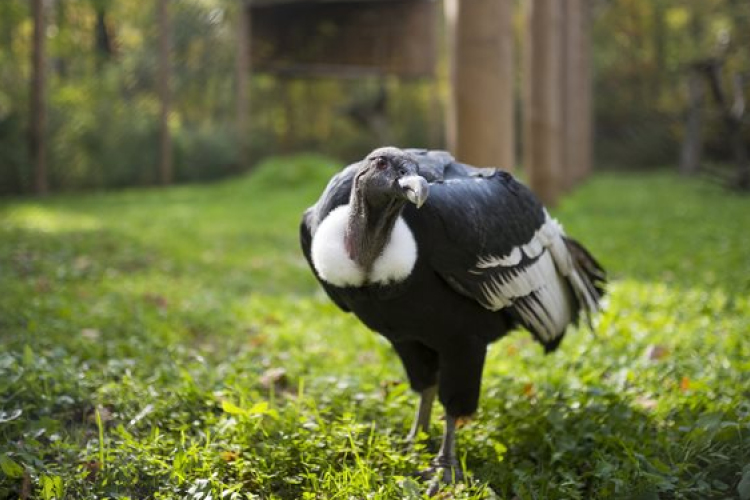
424 413
421 365
459 387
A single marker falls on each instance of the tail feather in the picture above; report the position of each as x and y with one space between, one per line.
588 279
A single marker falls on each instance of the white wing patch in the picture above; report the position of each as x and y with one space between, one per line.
547 235
512 259
333 264
548 312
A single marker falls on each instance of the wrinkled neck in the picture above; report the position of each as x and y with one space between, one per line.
369 228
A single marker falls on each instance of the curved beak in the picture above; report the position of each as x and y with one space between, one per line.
415 188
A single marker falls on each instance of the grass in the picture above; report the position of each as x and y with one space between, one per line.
173 344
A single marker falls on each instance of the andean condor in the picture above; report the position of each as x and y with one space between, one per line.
442 258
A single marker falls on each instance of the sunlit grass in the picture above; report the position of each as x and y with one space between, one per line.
173 344
46 220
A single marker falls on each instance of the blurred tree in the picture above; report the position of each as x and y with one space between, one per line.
38 108
692 142
16 172
542 99
480 109
642 51
104 113
166 168
576 89
104 44
243 74
369 112
732 110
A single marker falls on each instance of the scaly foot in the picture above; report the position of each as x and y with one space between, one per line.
440 473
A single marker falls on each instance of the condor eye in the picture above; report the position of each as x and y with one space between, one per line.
380 163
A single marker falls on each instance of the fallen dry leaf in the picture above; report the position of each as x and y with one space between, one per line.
367 357
90 333
42 285
229 456
82 263
646 402
104 413
271 320
274 377
157 300
25 485
685 383
463 422
93 468
387 385
528 390
656 352
258 340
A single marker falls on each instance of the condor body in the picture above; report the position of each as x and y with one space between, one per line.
443 258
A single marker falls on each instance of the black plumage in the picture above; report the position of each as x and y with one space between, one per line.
443 258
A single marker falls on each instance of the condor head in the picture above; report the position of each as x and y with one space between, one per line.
389 174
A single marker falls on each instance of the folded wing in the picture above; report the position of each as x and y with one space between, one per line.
495 243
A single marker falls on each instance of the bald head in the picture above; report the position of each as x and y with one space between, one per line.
391 173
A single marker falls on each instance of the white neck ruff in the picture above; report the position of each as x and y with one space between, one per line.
334 266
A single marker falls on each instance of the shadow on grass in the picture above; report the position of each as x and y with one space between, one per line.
600 445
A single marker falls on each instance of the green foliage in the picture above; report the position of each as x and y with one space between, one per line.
104 109
103 112
173 344
99 140
642 51
294 172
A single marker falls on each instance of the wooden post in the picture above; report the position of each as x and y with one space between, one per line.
737 113
576 115
243 75
38 129
692 143
542 99
166 173
585 115
480 111
569 93
733 113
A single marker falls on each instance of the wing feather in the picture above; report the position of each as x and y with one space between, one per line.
494 242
